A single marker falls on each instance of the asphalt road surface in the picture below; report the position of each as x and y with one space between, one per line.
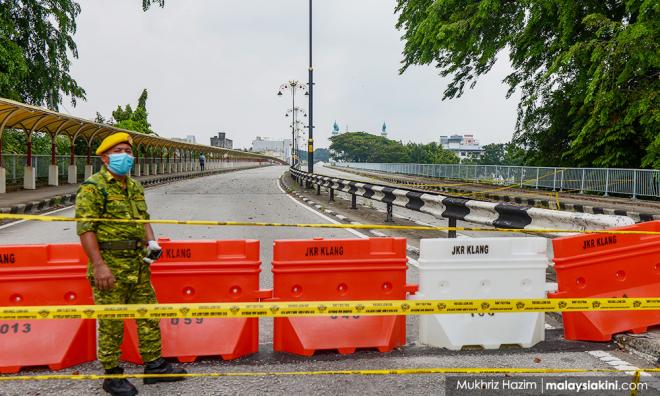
254 195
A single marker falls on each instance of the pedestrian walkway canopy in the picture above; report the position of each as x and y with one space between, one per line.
32 119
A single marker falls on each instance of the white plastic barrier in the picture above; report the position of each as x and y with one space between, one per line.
482 268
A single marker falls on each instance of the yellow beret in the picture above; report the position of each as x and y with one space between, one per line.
113 140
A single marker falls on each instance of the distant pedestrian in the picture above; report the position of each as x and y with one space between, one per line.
202 161
119 257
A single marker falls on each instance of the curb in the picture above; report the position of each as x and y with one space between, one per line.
32 207
533 202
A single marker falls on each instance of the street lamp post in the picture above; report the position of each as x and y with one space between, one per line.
296 126
293 86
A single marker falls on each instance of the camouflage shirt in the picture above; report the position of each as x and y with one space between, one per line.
103 196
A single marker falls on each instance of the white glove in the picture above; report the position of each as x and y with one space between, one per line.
154 251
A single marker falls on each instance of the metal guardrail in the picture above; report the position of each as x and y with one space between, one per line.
501 215
631 182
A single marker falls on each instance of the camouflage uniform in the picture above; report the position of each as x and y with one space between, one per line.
102 196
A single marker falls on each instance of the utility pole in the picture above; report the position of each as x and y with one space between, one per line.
310 109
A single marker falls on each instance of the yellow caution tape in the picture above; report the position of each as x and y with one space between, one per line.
321 225
409 371
325 308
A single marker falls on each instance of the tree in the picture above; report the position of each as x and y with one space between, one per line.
493 154
365 147
15 142
36 37
320 155
443 156
588 70
147 3
133 120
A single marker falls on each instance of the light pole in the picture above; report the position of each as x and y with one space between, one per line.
310 141
293 86
296 125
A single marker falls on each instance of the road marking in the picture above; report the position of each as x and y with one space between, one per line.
44 214
359 234
616 362
377 233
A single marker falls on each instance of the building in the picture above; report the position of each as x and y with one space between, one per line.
222 141
187 139
276 148
464 146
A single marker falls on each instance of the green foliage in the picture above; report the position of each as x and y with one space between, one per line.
147 3
320 155
365 147
588 70
502 154
133 120
36 38
15 142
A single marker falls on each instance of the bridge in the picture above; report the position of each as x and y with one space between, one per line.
249 188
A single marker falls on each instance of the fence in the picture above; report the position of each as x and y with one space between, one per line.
631 182
14 165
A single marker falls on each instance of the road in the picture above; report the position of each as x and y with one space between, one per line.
254 195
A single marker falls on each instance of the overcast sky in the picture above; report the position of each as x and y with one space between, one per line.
216 65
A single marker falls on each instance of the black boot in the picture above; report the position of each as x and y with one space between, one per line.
118 387
161 366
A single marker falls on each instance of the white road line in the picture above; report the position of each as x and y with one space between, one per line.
354 232
616 362
377 233
43 214
359 234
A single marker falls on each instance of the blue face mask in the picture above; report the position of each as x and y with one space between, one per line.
120 164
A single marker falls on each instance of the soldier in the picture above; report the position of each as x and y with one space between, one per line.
119 259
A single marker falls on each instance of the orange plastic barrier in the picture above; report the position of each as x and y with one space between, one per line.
33 275
335 270
204 271
608 266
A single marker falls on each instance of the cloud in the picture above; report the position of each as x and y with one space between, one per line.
215 66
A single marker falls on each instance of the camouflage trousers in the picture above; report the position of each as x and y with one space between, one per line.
111 332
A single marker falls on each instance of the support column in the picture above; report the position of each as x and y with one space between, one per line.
29 174
154 168
29 178
136 170
53 177
89 171
72 174
3 180
72 171
89 168
146 169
